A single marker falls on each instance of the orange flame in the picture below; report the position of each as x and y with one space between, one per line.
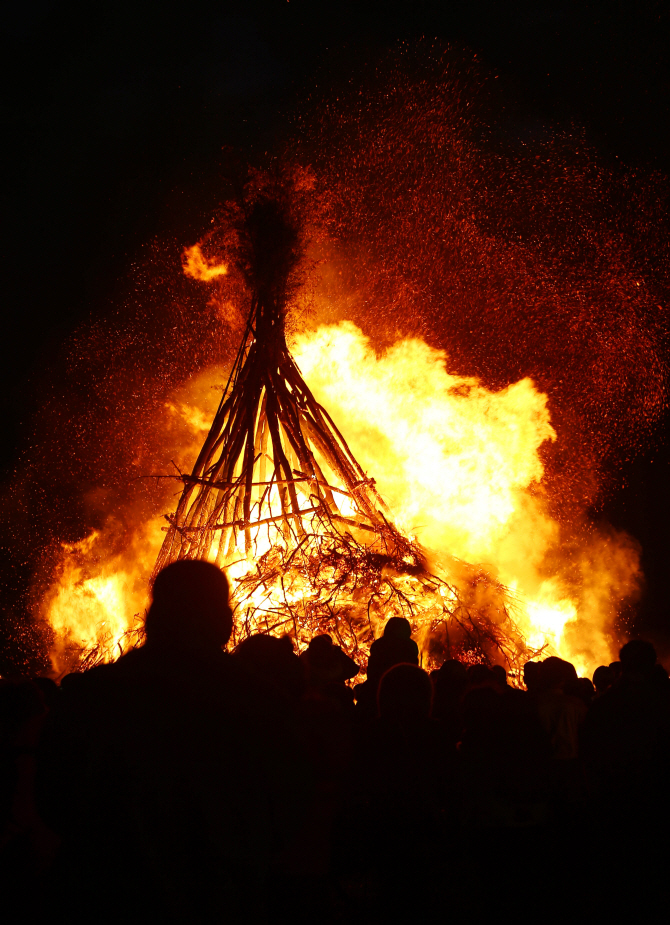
459 466
195 265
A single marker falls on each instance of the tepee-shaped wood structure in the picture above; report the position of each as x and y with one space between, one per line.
278 499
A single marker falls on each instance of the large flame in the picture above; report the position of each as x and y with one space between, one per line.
459 466
450 457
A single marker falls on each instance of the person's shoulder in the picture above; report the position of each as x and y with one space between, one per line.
234 668
606 706
257 693
517 699
78 682
576 705
103 678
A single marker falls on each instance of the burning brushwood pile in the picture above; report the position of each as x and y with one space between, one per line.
277 498
348 474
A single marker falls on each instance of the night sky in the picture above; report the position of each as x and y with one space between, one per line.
119 118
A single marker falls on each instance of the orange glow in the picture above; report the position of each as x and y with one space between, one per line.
197 266
460 468
100 592
449 456
95 605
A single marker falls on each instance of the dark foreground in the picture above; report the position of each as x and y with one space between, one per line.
186 784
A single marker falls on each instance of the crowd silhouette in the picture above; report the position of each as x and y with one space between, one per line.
184 782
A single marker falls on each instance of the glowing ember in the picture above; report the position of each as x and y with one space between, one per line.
96 607
196 266
506 257
277 497
449 456
460 469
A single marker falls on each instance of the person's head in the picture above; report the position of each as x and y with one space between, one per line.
321 660
398 628
531 675
274 660
452 676
637 657
615 668
480 676
189 609
500 675
48 689
556 673
603 678
405 694
581 688
327 663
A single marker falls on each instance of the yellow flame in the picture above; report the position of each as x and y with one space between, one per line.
449 456
460 468
197 266
459 465
97 602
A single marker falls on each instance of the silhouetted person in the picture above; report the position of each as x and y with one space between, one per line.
561 713
531 677
171 775
273 660
327 668
581 688
327 663
637 659
324 718
616 668
603 678
661 673
404 698
627 739
27 846
626 746
394 647
401 795
495 676
481 676
500 675
449 683
503 787
504 754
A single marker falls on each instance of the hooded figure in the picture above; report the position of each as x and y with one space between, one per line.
165 772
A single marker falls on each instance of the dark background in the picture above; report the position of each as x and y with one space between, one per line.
115 116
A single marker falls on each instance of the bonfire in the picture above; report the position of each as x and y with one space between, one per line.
277 499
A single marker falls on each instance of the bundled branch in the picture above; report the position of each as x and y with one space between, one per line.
331 583
273 455
105 649
277 497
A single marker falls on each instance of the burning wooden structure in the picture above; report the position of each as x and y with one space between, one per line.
277 498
